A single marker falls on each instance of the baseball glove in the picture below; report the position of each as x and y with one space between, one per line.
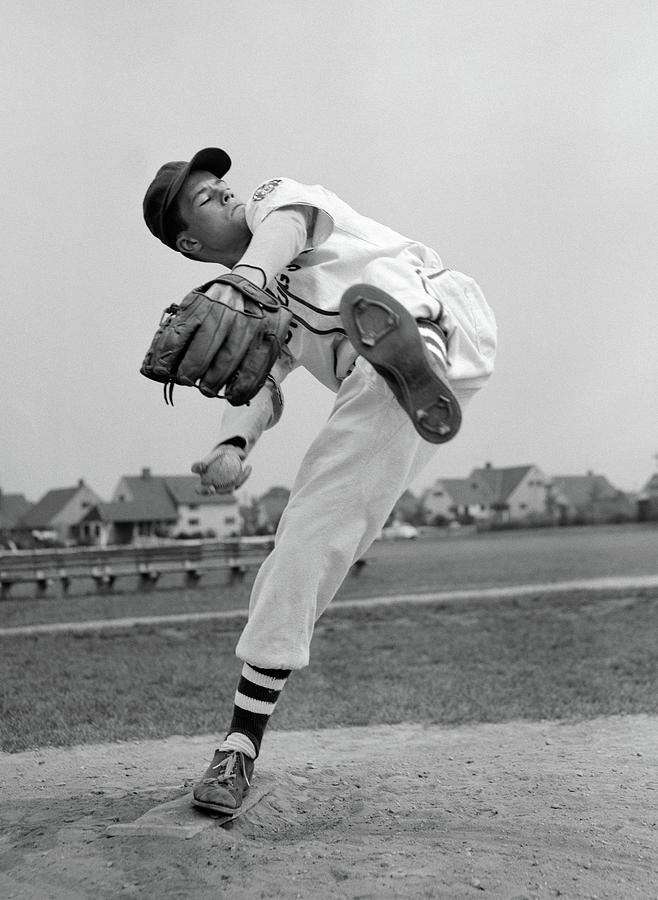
213 344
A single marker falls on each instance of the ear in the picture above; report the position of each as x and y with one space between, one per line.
187 244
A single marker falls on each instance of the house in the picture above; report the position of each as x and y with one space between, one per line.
126 522
510 494
58 514
590 498
147 507
455 499
216 515
12 508
513 493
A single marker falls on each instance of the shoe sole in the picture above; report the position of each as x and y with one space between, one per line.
386 334
214 807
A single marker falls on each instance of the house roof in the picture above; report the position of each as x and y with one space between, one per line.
184 489
500 483
278 492
158 497
126 511
583 489
150 493
44 511
461 490
12 507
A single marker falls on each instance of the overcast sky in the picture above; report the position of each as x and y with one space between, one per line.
517 137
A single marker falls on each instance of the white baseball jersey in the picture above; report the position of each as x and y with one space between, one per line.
344 248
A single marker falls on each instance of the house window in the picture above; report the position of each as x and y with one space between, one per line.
438 493
229 520
193 520
193 506
523 506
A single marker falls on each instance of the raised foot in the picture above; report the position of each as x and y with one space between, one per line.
373 321
386 334
436 417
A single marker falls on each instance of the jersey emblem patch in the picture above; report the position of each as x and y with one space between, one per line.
266 189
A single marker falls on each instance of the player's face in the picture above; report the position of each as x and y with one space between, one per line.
217 228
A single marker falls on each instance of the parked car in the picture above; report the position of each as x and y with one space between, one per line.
399 531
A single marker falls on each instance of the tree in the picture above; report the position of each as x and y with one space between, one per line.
409 508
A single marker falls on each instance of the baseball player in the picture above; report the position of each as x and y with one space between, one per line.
403 342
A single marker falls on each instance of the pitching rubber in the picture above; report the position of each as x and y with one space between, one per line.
386 334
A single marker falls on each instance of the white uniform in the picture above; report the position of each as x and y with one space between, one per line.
368 452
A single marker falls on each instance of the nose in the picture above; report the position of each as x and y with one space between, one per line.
227 195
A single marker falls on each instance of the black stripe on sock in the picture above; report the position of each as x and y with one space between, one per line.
256 692
271 673
252 725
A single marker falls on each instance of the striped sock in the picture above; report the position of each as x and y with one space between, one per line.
434 341
255 698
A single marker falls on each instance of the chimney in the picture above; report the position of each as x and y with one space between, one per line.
146 472
488 465
81 482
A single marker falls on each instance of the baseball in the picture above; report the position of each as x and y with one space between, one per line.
225 470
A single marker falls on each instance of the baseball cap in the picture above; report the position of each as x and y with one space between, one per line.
169 180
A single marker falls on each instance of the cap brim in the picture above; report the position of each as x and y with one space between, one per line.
212 159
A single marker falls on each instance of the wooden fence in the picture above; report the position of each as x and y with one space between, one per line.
84 569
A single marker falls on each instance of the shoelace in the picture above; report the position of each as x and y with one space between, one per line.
226 770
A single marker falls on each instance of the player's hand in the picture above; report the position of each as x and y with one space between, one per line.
222 470
226 294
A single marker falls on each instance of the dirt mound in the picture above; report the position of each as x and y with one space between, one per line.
519 810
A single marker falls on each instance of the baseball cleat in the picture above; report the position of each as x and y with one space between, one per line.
224 783
388 336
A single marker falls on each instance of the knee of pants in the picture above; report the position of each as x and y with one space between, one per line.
401 281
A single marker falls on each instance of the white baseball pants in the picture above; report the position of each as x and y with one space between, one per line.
356 469
349 481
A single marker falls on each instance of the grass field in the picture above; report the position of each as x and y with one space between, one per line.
543 656
471 661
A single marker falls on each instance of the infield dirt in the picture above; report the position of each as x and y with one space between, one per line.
514 810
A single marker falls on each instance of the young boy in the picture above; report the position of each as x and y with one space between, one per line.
403 343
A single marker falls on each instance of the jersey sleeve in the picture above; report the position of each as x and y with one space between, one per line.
284 192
